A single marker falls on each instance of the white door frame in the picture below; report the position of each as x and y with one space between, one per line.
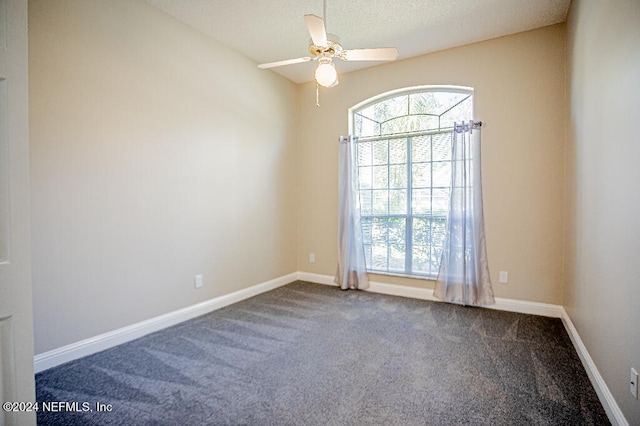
16 317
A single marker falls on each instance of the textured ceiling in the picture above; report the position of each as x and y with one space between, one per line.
273 30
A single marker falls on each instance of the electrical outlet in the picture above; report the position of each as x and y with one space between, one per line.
504 277
312 258
198 281
633 383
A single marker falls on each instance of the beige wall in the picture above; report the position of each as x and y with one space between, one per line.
519 96
602 294
156 154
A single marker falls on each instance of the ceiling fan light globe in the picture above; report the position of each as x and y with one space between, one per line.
326 74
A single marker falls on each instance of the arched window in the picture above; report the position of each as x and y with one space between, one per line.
403 160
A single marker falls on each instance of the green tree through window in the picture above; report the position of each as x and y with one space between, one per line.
404 171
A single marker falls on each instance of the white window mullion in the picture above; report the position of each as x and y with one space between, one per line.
431 206
408 262
388 142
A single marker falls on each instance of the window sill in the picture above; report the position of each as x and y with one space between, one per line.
400 275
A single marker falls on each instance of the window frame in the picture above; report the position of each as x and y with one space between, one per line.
409 216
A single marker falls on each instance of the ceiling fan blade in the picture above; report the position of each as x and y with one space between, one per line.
380 54
318 33
285 62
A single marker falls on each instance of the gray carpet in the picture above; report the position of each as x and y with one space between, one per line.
308 354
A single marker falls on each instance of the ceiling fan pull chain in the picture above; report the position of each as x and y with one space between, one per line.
317 94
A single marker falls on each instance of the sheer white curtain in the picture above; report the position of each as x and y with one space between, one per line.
464 273
352 269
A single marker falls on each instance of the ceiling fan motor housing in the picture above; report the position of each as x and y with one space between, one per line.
331 50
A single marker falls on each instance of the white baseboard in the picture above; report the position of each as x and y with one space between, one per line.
606 398
511 305
527 307
316 278
113 338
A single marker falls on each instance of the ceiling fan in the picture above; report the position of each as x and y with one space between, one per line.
324 48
